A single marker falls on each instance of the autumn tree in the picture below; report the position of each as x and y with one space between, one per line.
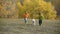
8 9
35 6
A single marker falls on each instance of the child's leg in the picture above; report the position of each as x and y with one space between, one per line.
34 23
25 20
41 22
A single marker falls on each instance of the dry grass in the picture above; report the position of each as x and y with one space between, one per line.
17 26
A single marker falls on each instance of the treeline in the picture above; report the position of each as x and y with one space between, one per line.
33 7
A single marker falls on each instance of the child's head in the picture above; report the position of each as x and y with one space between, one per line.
39 13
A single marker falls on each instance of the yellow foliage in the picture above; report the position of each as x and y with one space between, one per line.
35 6
19 4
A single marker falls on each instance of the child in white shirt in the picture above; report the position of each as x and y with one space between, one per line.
33 20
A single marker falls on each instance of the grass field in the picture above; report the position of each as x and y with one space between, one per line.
17 26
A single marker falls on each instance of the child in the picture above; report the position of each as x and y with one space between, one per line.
33 20
40 19
26 15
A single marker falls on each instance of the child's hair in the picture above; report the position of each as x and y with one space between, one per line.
39 13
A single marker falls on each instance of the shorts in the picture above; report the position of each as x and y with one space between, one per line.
25 19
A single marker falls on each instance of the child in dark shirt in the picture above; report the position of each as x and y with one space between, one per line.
40 18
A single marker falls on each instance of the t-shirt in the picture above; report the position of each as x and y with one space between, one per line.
33 20
40 17
26 15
